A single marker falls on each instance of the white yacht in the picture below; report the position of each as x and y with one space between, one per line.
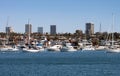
3 49
31 50
68 48
8 49
54 48
114 50
85 45
99 48
88 48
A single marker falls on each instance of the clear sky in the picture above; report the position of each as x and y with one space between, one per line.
68 15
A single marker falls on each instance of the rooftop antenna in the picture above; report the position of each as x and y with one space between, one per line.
7 21
28 20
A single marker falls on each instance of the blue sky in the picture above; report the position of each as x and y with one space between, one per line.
68 15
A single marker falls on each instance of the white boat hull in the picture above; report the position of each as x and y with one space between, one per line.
68 49
114 50
31 50
55 48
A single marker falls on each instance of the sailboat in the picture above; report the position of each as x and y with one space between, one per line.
112 47
31 48
5 47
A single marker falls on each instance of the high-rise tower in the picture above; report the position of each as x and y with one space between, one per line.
53 29
40 30
89 29
28 28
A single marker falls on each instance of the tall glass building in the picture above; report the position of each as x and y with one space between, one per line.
40 30
28 28
53 29
89 29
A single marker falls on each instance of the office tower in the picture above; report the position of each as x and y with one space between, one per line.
40 30
89 29
28 28
53 29
9 30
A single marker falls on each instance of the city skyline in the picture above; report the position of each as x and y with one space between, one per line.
68 15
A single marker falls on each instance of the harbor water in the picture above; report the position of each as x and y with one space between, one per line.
87 63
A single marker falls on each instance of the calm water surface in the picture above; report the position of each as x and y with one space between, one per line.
98 63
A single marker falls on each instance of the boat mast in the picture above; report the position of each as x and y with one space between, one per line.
100 28
113 30
7 37
29 32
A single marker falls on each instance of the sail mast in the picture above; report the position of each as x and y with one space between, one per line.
28 32
100 28
7 37
113 30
